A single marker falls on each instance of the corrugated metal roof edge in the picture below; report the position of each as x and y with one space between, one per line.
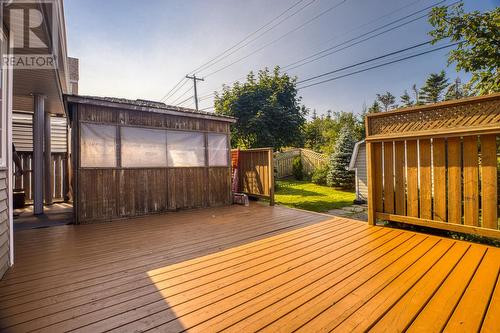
146 106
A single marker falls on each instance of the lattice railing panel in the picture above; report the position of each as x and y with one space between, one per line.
452 116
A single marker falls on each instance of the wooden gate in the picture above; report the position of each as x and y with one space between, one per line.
436 165
256 172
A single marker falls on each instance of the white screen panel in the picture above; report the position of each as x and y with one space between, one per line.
185 149
217 150
97 146
143 147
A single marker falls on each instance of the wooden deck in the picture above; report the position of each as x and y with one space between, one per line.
243 269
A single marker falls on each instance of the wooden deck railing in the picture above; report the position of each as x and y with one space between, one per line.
256 172
436 165
59 175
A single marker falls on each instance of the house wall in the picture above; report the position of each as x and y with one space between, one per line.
4 223
103 194
22 133
361 173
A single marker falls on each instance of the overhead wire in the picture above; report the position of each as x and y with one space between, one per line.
370 68
224 54
277 39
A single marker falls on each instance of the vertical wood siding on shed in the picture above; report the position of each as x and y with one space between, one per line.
105 194
4 224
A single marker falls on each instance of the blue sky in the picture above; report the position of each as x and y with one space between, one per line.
140 49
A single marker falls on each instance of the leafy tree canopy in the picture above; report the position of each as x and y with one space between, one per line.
478 51
268 110
321 134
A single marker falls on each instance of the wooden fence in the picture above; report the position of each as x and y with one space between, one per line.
436 165
311 160
58 173
255 172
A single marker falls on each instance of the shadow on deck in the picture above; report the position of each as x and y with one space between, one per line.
244 269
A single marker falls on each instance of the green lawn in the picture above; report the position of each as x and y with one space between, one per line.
309 196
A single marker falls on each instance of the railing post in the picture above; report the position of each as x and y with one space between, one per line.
271 177
371 183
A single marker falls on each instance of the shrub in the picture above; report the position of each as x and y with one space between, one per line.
297 168
319 175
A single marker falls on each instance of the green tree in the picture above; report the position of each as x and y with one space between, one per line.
387 100
406 99
338 174
456 90
267 108
433 88
320 134
416 92
313 134
478 51
374 108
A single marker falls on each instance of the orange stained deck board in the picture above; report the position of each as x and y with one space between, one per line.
246 269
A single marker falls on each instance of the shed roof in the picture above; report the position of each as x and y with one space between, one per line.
145 106
355 154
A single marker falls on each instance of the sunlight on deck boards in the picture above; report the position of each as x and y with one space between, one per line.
247 269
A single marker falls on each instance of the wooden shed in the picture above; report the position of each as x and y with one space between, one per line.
358 165
137 157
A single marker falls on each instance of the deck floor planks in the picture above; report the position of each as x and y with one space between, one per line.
207 262
195 307
259 260
215 285
243 269
442 287
469 313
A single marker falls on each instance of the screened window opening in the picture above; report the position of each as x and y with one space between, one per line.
143 147
185 149
218 150
98 146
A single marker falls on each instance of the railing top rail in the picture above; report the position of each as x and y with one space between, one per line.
466 116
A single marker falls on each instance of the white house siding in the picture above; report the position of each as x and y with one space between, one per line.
361 174
22 132
4 224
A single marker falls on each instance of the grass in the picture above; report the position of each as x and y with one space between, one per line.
309 196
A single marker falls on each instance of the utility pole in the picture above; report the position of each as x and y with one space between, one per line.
194 78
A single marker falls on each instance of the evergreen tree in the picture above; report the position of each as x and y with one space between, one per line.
375 108
416 92
314 115
456 90
406 99
387 100
433 88
338 175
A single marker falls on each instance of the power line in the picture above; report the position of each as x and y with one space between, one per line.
292 65
278 39
224 54
170 91
366 61
184 101
176 90
182 95
351 45
376 66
